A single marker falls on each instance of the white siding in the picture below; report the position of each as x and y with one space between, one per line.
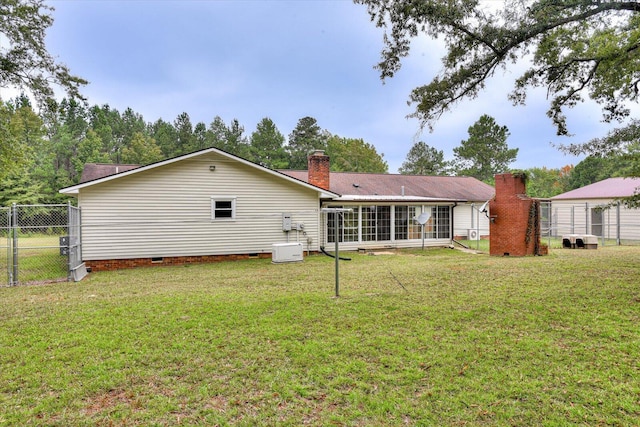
166 211
466 216
576 217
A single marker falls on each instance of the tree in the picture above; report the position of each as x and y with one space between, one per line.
142 150
89 151
21 132
267 146
577 49
24 60
485 153
235 141
304 138
200 137
354 155
185 142
165 136
545 183
228 138
217 133
424 160
621 144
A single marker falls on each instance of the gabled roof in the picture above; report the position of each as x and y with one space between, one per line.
391 187
74 189
611 188
93 171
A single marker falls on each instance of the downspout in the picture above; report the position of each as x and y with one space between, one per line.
453 234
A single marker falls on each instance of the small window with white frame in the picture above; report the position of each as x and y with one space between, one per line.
223 208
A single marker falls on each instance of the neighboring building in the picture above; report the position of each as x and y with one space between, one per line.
210 204
94 171
596 209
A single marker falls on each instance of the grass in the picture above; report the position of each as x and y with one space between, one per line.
39 259
473 340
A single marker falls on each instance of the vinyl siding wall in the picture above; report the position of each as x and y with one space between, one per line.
577 216
166 212
466 216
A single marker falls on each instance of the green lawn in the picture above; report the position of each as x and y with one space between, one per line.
39 259
473 340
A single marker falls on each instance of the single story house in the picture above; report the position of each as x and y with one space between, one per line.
385 207
596 209
210 205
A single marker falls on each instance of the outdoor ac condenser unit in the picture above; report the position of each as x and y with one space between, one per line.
286 252
473 234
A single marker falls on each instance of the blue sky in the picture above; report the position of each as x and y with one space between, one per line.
285 60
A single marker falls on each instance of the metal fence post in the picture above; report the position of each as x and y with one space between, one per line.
69 234
618 239
14 237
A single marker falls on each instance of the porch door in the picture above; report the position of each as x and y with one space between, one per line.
597 221
384 223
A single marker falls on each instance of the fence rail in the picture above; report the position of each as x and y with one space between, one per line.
40 243
613 224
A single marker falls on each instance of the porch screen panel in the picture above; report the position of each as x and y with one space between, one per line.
414 226
439 225
444 222
376 223
368 223
383 229
348 226
401 225
405 225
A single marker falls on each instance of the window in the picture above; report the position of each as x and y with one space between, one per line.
405 226
439 225
376 223
444 222
348 223
223 208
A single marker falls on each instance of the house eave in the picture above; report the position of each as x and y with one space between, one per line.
393 199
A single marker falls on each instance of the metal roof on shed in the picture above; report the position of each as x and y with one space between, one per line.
611 188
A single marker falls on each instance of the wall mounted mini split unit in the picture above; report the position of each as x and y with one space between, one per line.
473 234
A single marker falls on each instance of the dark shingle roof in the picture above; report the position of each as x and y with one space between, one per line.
93 171
373 185
611 188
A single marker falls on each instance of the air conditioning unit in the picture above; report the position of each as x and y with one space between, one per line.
286 252
473 234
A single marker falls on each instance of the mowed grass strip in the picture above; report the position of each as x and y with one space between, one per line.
434 337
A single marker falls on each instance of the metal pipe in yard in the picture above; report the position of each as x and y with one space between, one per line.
14 229
337 256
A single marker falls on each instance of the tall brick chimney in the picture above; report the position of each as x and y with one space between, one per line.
318 169
515 218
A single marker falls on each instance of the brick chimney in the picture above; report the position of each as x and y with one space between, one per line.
318 169
515 218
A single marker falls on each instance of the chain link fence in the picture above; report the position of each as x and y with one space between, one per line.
40 244
613 224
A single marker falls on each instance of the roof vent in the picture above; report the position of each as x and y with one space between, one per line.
356 185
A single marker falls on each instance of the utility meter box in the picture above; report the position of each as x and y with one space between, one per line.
286 222
286 252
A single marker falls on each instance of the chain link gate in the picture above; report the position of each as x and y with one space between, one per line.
42 243
6 261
